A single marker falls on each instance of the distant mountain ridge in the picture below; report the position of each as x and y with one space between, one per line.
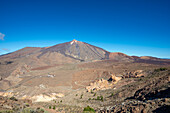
68 52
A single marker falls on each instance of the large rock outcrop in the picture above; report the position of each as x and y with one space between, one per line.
134 74
103 84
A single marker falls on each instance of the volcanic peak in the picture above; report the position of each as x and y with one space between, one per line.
73 41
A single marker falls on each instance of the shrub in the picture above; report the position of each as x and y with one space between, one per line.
81 96
38 110
28 110
27 105
89 109
54 107
7 111
94 94
13 98
160 69
42 110
100 98
49 107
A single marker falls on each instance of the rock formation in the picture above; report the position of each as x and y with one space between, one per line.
103 84
134 74
6 94
46 97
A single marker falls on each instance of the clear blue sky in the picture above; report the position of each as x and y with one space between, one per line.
134 27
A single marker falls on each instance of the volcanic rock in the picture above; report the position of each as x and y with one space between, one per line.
134 74
103 84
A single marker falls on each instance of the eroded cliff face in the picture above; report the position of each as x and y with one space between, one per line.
103 84
36 98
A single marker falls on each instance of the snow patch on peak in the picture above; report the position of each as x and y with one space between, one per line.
73 41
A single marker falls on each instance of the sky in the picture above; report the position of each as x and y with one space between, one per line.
134 27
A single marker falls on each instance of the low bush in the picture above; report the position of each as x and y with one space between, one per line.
49 107
94 94
100 98
160 69
7 111
54 107
88 109
81 96
13 98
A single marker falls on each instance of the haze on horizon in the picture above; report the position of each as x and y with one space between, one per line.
133 27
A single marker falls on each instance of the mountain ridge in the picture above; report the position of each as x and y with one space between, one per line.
77 50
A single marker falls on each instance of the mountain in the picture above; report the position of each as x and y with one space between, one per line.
32 58
73 51
119 56
78 50
64 53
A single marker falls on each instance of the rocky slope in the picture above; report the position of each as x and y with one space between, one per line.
151 94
